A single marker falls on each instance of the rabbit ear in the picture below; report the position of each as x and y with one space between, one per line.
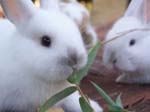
147 11
18 11
139 9
49 4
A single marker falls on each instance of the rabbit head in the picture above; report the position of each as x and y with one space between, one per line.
45 42
77 12
81 16
128 53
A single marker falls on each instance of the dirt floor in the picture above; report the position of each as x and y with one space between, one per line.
136 98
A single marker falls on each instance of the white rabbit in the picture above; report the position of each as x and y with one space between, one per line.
129 54
81 16
39 50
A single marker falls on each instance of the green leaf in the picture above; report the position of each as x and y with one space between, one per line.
56 98
85 106
119 102
103 94
115 108
77 76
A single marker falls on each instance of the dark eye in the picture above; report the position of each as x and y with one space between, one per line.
132 42
46 41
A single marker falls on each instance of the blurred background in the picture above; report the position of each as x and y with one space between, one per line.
104 11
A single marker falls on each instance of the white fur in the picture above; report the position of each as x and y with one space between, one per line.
76 12
29 72
132 61
74 106
81 16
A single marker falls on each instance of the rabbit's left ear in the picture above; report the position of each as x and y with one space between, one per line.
147 11
49 4
139 9
18 11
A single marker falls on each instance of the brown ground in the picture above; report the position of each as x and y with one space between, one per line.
135 97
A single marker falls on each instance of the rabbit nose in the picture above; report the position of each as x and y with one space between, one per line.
114 61
113 58
73 60
76 60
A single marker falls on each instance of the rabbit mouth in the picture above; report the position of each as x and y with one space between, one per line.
125 68
125 65
67 71
129 69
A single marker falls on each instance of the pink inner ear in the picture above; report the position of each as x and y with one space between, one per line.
147 10
13 6
16 13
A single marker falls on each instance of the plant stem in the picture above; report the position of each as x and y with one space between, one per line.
83 95
124 33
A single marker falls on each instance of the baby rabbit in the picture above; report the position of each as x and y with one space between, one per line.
81 16
129 53
39 50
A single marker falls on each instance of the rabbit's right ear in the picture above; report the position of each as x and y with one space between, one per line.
139 9
18 11
49 4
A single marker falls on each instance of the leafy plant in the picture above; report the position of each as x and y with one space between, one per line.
77 76
56 98
114 106
75 79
